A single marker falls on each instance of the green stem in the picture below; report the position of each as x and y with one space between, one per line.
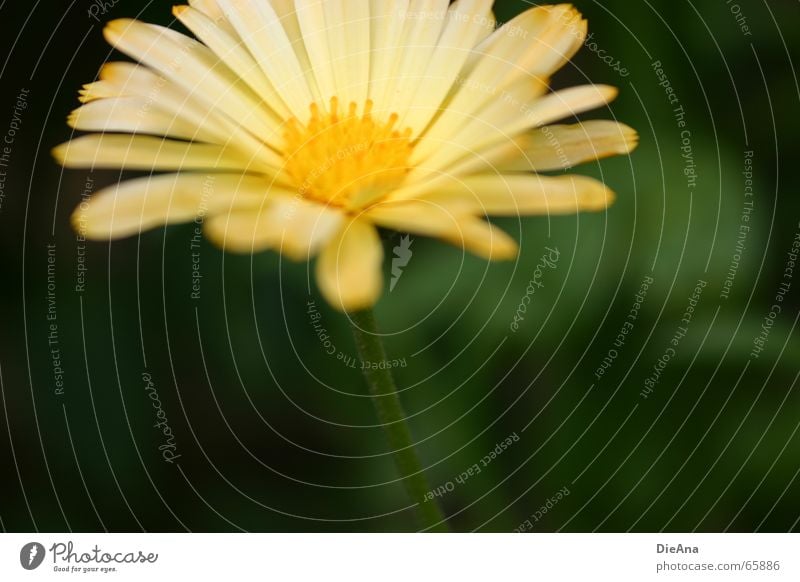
393 420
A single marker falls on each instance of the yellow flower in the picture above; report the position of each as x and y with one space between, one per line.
305 125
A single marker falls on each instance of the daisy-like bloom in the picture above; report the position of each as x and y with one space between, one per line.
303 126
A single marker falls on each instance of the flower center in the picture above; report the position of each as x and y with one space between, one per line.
346 159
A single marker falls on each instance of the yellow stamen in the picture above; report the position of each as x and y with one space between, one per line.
347 160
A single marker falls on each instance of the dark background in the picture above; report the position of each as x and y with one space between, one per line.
275 435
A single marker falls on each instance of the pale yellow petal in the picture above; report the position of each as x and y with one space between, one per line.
555 147
128 80
466 22
97 90
139 152
422 217
423 25
506 118
230 50
194 67
349 270
311 18
260 29
485 240
386 34
304 226
287 13
488 160
133 206
456 225
138 81
550 44
212 10
559 147
521 194
348 28
296 227
564 103
496 109
245 231
536 43
528 48
135 115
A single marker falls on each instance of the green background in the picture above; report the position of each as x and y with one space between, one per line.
275 435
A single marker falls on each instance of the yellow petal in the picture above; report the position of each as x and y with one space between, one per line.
138 152
348 25
295 227
212 123
194 67
426 218
455 125
449 223
564 103
522 194
230 50
527 49
485 240
134 206
506 118
135 115
262 33
466 22
97 90
314 35
245 231
286 10
386 33
423 26
128 80
212 10
559 147
551 37
349 269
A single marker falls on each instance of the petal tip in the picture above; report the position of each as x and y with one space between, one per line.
630 139
609 92
505 251
77 220
115 28
602 201
633 141
117 24
59 153
352 300
85 93
81 224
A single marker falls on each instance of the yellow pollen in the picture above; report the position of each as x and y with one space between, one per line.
346 159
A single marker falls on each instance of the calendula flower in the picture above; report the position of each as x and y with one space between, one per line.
303 126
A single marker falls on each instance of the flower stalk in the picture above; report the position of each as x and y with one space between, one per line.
393 421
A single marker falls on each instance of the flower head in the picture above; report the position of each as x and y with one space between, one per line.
305 125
